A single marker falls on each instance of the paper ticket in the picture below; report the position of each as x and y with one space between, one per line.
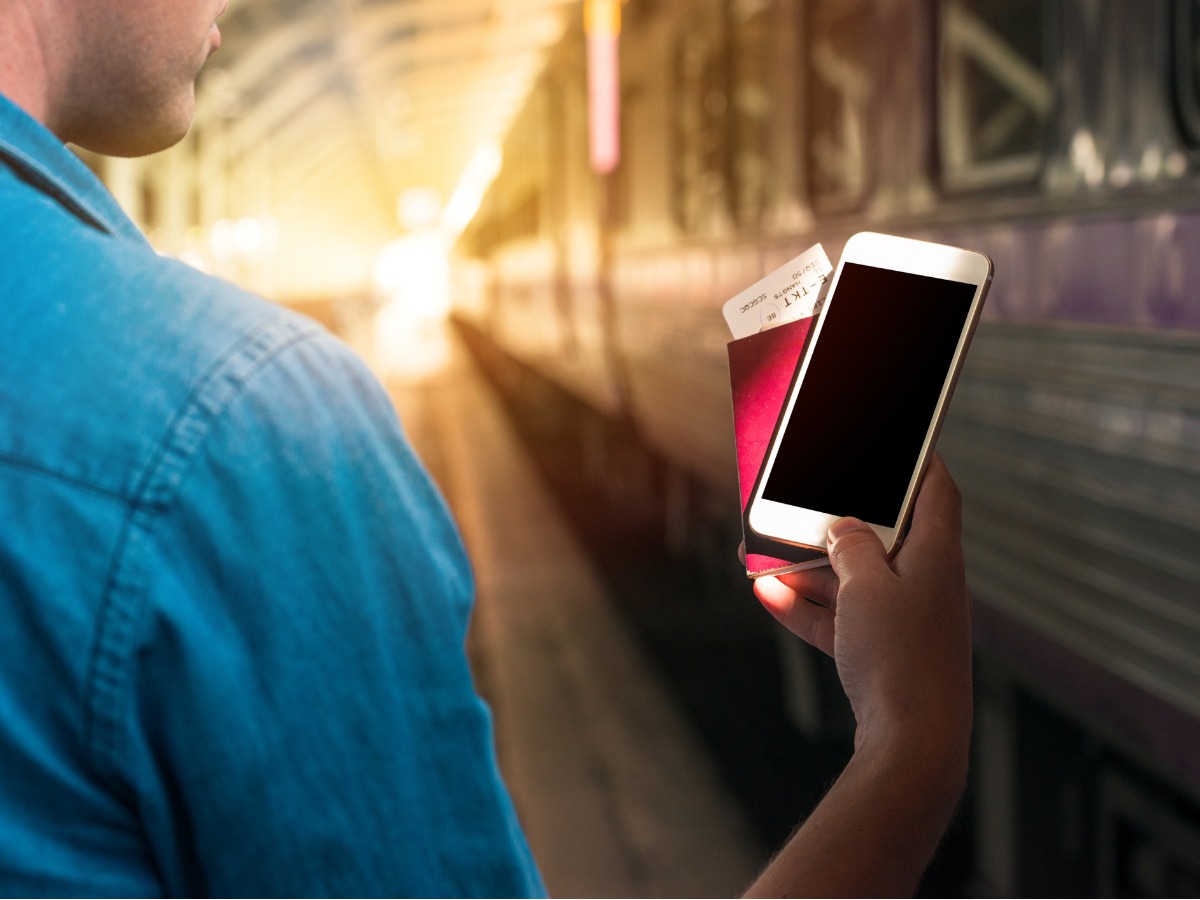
791 292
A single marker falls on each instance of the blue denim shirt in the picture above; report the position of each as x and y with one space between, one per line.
232 606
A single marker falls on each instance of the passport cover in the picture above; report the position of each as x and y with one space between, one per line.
762 368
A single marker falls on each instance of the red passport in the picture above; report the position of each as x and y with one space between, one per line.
762 368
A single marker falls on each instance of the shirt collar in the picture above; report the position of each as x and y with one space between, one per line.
43 161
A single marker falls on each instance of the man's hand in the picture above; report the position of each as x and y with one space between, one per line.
900 633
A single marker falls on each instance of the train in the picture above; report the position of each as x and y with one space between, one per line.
1060 137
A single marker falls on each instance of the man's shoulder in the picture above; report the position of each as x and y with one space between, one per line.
109 345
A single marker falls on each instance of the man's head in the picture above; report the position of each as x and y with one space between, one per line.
115 77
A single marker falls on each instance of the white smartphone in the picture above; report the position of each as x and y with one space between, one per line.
868 399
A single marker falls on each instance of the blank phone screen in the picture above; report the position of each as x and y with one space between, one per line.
869 394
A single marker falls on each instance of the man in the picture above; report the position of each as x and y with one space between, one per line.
232 607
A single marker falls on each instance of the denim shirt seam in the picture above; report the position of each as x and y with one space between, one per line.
123 603
38 467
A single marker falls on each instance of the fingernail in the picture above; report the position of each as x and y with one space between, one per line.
843 527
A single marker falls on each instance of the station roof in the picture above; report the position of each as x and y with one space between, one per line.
386 95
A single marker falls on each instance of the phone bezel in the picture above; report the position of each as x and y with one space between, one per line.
808 527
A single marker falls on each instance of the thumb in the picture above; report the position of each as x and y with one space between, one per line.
855 550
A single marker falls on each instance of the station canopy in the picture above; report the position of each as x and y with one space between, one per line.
374 97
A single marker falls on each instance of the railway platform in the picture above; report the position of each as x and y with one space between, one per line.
615 790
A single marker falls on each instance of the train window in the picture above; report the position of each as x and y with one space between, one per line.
1187 67
996 95
752 106
837 90
702 104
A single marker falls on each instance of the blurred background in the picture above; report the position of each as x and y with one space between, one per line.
526 214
